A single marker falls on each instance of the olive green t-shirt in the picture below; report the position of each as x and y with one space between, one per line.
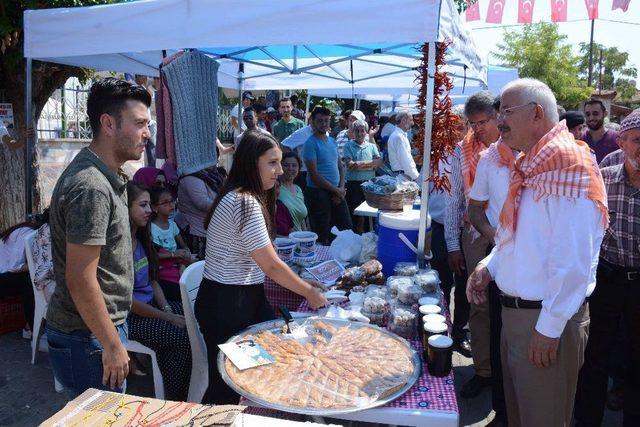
89 207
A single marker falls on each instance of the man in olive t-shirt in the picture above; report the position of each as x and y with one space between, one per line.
91 244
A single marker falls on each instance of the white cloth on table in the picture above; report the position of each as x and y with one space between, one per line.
553 257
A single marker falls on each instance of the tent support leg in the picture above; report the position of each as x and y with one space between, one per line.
306 106
424 246
240 89
28 154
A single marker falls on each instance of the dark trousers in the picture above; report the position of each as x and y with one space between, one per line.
222 311
495 329
355 197
447 281
324 214
171 290
614 299
19 284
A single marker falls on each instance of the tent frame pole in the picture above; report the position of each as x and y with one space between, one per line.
424 246
28 154
240 90
306 106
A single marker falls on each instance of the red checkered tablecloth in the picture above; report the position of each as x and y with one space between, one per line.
278 295
429 393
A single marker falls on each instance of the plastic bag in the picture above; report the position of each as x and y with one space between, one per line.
346 247
369 247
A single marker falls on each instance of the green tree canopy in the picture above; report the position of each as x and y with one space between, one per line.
614 72
539 51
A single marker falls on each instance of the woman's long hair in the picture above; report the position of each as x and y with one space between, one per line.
34 223
244 178
143 234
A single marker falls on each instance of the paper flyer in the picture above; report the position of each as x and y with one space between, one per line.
327 272
246 354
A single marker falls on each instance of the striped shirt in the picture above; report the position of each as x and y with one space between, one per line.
621 243
455 203
612 159
231 239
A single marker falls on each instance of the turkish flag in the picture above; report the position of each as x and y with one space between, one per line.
473 10
525 11
620 4
559 10
592 8
494 12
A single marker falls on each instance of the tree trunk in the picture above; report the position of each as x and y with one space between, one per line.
45 80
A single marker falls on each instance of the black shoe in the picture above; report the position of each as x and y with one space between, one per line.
474 386
463 347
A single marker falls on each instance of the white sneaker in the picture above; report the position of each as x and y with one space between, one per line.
27 334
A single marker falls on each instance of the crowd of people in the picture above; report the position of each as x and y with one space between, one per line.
537 243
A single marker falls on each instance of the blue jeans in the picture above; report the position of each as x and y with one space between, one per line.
76 359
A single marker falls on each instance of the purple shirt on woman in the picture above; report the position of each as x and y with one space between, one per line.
607 144
142 290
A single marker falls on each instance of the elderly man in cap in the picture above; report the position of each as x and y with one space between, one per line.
247 99
617 294
545 258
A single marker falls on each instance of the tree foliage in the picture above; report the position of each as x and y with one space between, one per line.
46 78
614 72
541 52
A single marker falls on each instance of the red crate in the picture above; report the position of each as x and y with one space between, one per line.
11 314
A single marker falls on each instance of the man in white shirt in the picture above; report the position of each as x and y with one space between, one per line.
250 120
388 127
399 148
247 98
487 195
465 246
545 259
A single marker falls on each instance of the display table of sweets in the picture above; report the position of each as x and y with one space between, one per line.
431 401
278 295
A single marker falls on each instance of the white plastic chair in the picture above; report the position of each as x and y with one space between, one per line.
158 382
38 295
189 285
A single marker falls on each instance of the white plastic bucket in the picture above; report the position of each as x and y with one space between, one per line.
284 248
306 241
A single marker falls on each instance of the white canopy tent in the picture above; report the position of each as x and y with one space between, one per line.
302 43
497 78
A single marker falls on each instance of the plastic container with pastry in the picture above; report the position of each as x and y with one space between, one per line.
339 367
393 282
409 293
405 269
428 279
403 322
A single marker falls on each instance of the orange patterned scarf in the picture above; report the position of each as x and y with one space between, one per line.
558 165
500 153
471 148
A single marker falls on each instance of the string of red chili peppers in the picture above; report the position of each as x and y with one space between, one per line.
443 133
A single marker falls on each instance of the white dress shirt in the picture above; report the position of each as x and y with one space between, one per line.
552 257
491 183
400 158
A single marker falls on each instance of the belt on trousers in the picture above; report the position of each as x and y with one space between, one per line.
517 302
620 272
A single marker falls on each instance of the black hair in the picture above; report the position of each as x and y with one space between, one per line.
285 99
479 102
109 95
249 110
594 102
156 192
318 110
143 234
496 103
244 178
35 222
347 113
292 155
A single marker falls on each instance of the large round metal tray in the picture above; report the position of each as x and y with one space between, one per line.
275 326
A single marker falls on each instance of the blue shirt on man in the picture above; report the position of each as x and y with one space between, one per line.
325 154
